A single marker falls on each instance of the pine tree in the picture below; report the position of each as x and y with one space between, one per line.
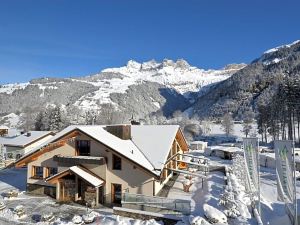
55 119
39 121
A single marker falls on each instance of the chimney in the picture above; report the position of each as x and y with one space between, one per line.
120 131
133 121
28 134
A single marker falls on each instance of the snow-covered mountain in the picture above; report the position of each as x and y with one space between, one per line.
180 76
136 88
257 82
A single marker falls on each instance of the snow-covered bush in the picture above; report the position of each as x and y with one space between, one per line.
236 199
214 215
238 168
90 217
19 212
49 217
227 199
2 205
77 219
198 220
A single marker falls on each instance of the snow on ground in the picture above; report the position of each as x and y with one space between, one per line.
13 179
36 206
11 120
10 88
273 211
216 129
208 192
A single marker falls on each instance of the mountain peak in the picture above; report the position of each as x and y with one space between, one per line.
181 63
131 64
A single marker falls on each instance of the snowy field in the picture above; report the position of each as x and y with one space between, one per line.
273 211
209 192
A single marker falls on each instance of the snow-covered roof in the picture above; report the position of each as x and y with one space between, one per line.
125 147
155 141
24 139
2 127
198 142
149 146
95 181
84 174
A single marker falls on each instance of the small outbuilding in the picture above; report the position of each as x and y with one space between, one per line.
224 152
198 145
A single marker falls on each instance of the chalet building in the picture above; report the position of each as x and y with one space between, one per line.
18 144
99 163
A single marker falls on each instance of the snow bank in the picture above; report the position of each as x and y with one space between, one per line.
214 215
198 220
267 160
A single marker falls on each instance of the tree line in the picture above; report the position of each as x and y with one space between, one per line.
279 115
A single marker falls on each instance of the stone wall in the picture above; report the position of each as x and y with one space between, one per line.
41 190
142 215
35 189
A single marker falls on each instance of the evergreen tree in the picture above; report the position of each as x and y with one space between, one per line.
39 121
55 119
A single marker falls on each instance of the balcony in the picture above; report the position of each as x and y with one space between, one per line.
79 159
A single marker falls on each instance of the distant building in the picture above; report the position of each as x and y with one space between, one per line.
198 145
17 144
100 163
223 152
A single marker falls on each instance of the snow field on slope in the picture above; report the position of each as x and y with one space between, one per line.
182 80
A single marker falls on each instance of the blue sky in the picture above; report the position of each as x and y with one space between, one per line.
62 38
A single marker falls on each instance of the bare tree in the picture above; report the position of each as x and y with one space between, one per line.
227 124
248 119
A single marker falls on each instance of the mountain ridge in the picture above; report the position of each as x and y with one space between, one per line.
151 87
139 89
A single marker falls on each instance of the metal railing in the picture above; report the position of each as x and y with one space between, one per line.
177 205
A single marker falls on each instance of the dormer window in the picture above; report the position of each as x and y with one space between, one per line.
117 162
83 147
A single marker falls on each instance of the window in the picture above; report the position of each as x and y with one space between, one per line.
117 162
83 147
116 193
51 171
37 172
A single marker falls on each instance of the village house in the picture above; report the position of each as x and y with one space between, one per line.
16 144
99 163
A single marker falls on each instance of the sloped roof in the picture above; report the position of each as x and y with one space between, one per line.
155 141
84 174
149 147
24 140
125 147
